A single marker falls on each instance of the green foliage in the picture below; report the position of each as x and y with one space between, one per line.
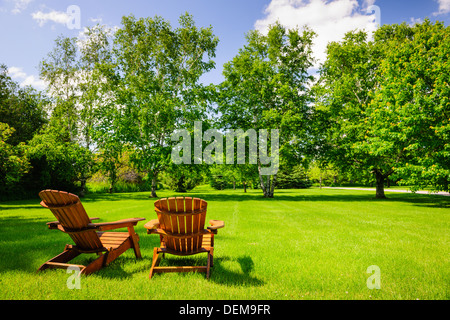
13 165
220 177
410 113
57 164
59 70
21 108
292 178
182 177
114 165
382 105
381 111
347 80
228 176
265 87
155 71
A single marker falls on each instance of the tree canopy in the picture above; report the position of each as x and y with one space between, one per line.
377 111
265 87
381 104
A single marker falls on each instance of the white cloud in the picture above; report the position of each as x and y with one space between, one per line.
20 76
444 7
329 19
16 72
96 20
413 21
20 5
368 3
55 16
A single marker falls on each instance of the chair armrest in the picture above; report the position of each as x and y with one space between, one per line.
54 224
216 224
103 226
152 225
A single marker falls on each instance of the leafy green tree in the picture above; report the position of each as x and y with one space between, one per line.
156 78
14 164
95 101
293 178
380 101
21 108
347 80
410 112
100 109
83 104
220 177
56 163
265 87
182 177
60 71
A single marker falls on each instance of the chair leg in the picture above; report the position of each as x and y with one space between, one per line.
212 257
96 265
135 242
155 262
208 266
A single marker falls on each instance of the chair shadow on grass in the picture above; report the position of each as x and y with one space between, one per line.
220 273
228 277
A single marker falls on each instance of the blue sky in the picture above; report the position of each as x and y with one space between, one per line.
29 27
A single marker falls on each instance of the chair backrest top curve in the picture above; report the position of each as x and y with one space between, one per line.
69 211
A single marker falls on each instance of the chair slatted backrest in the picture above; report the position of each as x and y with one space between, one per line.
69 211
184 217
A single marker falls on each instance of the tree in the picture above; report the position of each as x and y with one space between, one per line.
379 103
21 115
265 87
293 178
182 177
59 70
347 81
410 112
21 108
57 163
99 106
14 164
156 73
81 94
95 101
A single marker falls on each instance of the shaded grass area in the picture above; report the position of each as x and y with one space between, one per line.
303 244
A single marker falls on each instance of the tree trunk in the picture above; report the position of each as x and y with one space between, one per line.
112 180
261 181
245 186
180 184
154 179
269 186
379 185
83 188
272 188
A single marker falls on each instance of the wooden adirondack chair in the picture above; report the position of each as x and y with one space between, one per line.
180 225
88 236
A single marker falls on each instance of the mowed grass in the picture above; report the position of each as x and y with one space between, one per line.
303 244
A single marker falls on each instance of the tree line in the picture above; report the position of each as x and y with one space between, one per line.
378 107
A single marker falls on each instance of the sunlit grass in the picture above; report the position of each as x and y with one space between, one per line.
303 244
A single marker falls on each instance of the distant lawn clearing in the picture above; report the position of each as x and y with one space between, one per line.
303 244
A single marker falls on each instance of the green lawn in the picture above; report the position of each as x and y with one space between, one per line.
303 244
